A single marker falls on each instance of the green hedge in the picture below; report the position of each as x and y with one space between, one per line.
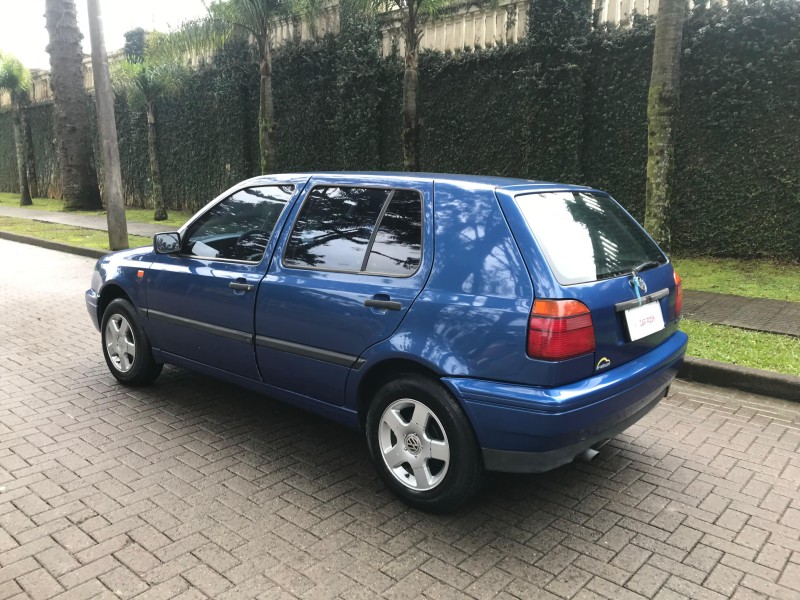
567 104
737 184
614 152
9 180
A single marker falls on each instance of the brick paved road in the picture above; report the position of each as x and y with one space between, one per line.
194 489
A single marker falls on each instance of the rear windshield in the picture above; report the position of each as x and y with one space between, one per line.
586 237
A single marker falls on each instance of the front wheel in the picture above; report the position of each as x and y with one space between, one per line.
126 347
423 444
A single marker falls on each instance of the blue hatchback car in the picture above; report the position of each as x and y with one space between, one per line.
463 323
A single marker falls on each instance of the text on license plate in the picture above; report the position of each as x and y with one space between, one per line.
644 320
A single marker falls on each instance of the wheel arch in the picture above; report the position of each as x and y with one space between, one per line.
108 294
381 373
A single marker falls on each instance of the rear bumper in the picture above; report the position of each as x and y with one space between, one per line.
527 429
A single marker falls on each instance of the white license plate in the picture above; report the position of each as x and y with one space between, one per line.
644 320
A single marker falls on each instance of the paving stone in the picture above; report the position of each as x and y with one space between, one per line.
193 488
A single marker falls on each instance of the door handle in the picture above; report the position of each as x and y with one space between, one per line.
385 304
242 287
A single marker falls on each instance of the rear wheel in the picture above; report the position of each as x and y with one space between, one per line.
423 444
126 347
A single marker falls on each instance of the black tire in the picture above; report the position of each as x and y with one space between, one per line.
142 369
461 475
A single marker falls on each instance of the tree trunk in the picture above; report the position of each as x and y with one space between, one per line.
266 110
30 157
159 210
107 127
662 108
410 133
22 159
71 110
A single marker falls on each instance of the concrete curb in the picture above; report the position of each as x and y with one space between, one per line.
25 239
741 378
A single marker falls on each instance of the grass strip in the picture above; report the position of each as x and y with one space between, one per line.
751 278
768 351
137 215
66 234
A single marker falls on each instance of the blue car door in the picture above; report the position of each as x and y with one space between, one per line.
201 300
352 260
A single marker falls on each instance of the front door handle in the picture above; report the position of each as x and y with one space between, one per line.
385 304
242 287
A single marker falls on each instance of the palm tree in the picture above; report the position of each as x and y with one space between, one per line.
159 75
15 79
413 14
251 20
71 109
662 108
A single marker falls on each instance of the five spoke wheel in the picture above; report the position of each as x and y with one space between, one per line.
120 343
414 444
422 443
125 345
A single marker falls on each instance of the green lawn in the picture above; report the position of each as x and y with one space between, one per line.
769 351
139 215
66 234
753 278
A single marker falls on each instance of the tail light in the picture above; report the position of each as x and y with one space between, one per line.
559 329
678 295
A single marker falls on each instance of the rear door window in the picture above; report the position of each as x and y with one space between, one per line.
352 229
586 237
397 247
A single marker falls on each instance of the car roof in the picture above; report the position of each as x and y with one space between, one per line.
511 184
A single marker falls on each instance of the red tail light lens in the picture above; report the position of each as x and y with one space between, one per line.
678 295
559 329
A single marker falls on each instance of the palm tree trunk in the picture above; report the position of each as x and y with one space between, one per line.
662 108
266 110
30 157
22 159
71 110
107 130
159 210
410 133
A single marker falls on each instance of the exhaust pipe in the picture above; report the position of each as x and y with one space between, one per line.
587 455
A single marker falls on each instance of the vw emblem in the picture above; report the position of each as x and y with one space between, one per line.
638 282
413 443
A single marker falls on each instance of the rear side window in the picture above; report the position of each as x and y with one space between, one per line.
586 237
378 231
397 247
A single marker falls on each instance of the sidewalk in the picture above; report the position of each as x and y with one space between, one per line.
78 220
758 314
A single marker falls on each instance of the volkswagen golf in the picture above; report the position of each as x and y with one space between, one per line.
462 323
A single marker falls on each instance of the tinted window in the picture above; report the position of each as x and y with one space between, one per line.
397 247
240 226
586 237
334 228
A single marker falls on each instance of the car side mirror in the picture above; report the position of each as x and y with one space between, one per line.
167 243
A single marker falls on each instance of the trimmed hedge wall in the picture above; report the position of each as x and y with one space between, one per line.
569 104
738 161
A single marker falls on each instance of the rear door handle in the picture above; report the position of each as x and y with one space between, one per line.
385 304
242 287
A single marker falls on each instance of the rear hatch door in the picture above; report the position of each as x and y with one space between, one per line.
581 244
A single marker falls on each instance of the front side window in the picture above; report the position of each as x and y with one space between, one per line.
239 227
370 230
586 237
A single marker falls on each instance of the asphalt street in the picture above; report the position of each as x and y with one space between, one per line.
193 488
